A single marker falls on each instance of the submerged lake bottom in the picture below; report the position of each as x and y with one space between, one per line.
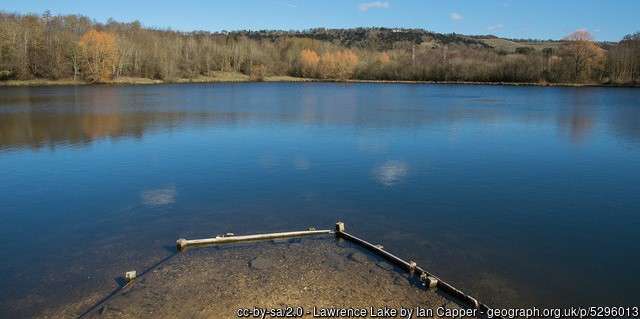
296 277
517 195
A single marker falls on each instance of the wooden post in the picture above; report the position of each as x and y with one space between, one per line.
130 275
429 281
412 267
340 227
181 244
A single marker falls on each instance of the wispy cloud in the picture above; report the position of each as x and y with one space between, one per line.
366 6
495 27
455 16
288 4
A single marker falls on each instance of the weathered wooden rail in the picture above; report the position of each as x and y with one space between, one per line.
182 243
428 279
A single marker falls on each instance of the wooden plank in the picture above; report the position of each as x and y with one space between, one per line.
184 243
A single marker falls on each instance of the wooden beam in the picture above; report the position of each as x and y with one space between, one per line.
182 243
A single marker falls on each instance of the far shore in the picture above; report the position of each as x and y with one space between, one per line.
230 77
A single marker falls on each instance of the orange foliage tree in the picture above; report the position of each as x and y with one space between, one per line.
338 65
384 58
98 52
308 61
347 63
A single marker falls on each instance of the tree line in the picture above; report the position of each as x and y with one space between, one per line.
75 47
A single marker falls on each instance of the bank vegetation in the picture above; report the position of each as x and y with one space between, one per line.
76 49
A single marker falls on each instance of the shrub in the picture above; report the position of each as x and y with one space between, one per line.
6 75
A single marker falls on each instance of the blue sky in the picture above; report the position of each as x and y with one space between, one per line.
542 19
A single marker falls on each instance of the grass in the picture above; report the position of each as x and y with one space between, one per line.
286 78
38 82
217 76
231 77
134 80
511 46
213 78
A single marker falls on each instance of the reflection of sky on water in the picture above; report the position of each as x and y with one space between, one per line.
79 115
159 197
391 172
301 163
268 160
491 187
372 145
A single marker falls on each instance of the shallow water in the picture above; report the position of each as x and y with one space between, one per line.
518 195
321 272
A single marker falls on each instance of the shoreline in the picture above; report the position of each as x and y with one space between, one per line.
285 79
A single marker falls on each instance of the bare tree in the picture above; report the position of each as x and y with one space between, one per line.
582 52
48 46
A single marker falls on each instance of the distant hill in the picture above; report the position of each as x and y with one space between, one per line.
373 38
388 38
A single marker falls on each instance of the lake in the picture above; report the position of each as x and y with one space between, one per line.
517 195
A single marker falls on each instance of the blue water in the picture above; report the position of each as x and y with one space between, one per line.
518 195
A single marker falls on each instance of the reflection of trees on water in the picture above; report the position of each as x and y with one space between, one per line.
40 129
79 118
586 108
37 117
576 113
580 125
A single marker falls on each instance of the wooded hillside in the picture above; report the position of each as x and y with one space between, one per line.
75 47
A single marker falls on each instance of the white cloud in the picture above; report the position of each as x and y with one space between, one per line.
495 27
391 172
364 7
289 4
455 16
158 197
